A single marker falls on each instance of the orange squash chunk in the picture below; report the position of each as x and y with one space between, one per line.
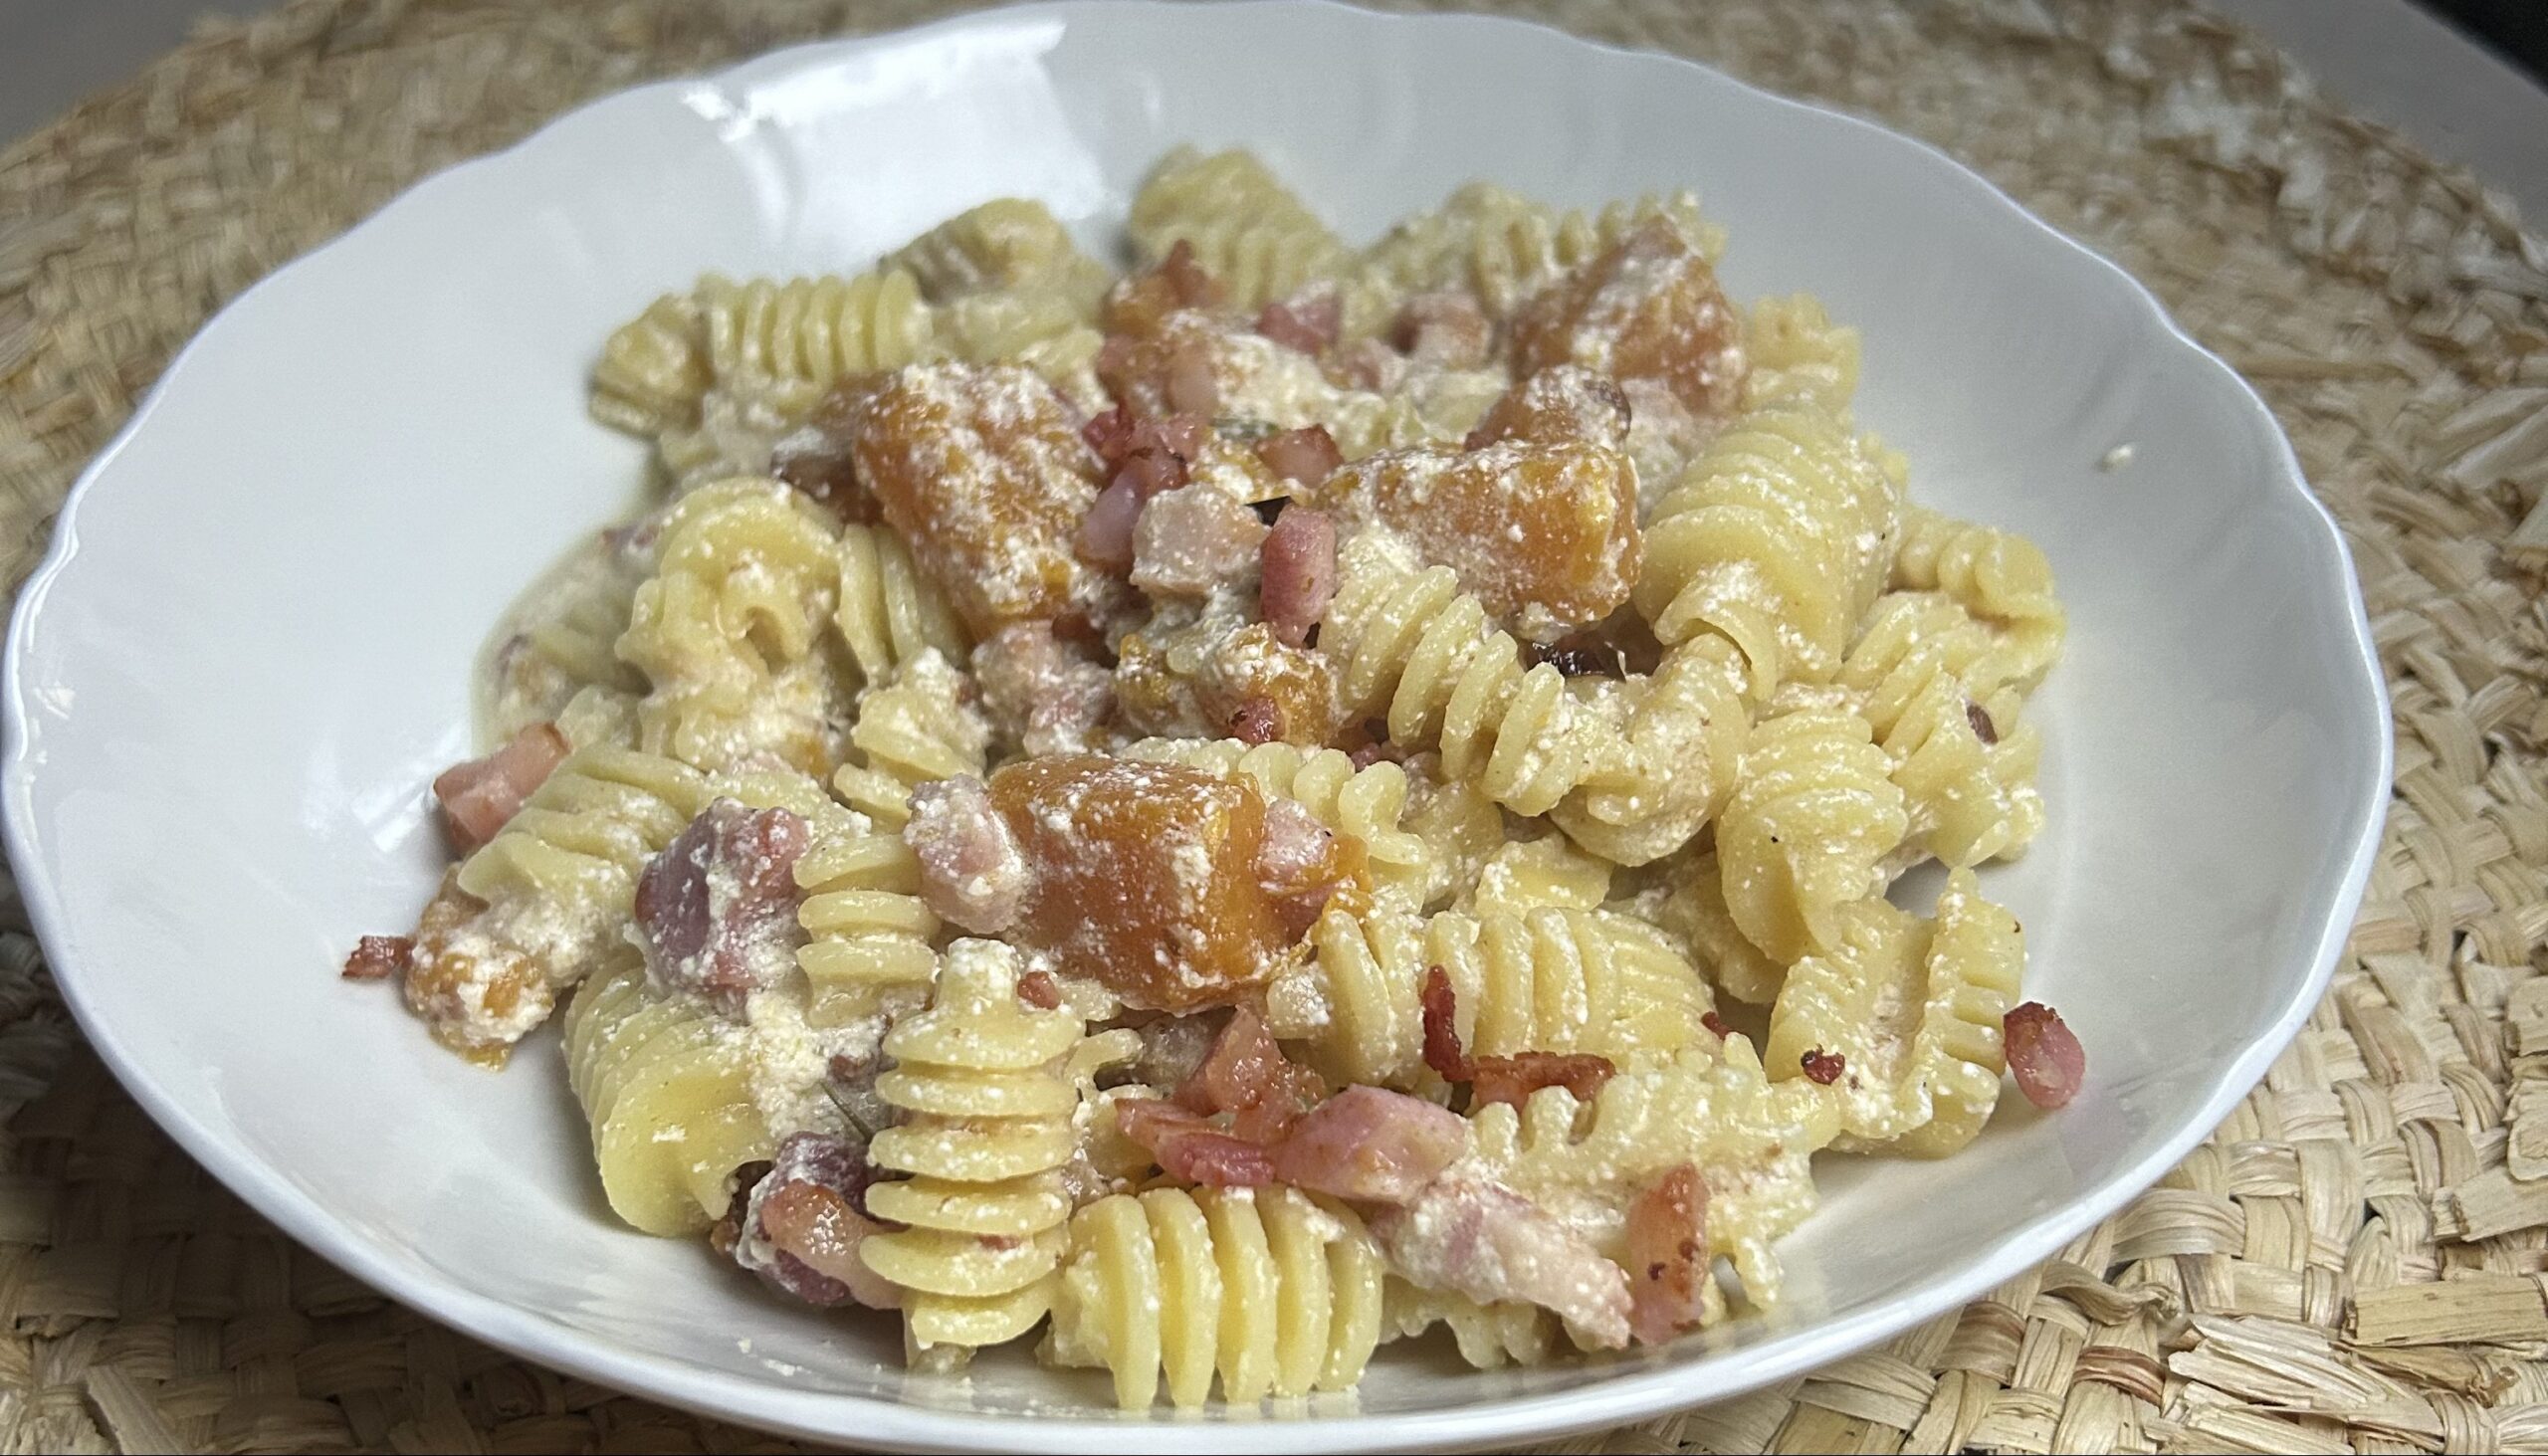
1567 403
1648 307
1146 877
1545 535
983 471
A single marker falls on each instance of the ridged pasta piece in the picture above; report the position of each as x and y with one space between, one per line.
1412 647
1798 355
728 628
1554 980
1040 328
1540 874
814 331
560 638
983 1084
1809 830
1005 244
1913 1008
889 612
917 727
1776 539
667 1088
1750 1139
1998 577
1364 804
1696 912
540 906
1928 678
653 369
1246 228
1275 1292
1671 763
1488 1335
1505 247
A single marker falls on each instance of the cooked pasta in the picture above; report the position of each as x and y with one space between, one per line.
1504 247
1551 981
1776 539
1809 832
987 1097
1247 229
1912 1009
667 1087
1212 812
730 629
1271 1290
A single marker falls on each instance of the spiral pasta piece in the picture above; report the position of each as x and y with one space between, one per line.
1696 912
1931 683
1913 1008
666 1085
727 631
653 369
1798 355
889 612
1809 830
1505 247
1776 539
1751 1140
1411 646
814 331
1670 765
1246 228
983 1084
913 730
1551 980
1489 1336
1275 1292
1005 244
1366 805
1998 577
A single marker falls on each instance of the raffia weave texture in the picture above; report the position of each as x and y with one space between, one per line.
2357 1261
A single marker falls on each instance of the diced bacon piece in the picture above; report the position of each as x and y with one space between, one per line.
1193 539
1173 1048
1371 1146
1448 329
1244 1073
1512 1079
803 1221
2044 1054
1109 433
1369 364
1441 1006
1151 470
1303 864
972 871
1189 1147
1306 455
1648 307
1258 719
1307 322
1298 565
1191 384
1564 402
716 912
1195 289
1044 692
982 470
1139 304
1037 988
378 957
1479 1238
1545 536
479 797
1822 1068
1106 531
1666 1255
1715 1024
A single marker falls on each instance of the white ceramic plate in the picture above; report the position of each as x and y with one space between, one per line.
250 650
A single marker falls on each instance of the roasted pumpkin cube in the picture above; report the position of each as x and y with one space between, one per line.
1147 878
1556 405
1219 679
1648 307
983 469
1545 535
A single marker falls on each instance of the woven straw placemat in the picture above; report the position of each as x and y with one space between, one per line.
2358 1260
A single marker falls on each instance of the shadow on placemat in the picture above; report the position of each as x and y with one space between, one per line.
2354 1262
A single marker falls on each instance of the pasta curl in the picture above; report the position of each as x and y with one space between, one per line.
1248 230
667 1086
1809 832
1930 682
1998 577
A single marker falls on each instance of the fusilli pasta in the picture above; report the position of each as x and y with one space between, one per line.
983 1084
667 1086
1246 228
1276 1292
1809 831
814 331
1924 673
1998 577
1504 247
